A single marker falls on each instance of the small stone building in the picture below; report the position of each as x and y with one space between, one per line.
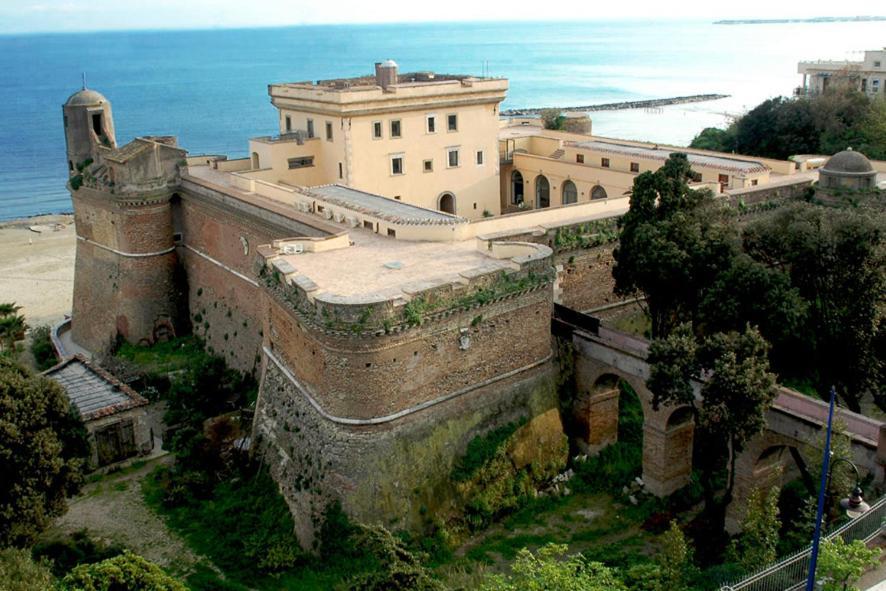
848 170
115 415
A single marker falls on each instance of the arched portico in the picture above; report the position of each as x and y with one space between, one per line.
255 161
570 193
542 192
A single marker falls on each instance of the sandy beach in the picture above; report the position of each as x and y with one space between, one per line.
37 266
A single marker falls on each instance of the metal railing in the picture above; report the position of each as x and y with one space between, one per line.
789 574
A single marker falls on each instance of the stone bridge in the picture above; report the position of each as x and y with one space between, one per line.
604 356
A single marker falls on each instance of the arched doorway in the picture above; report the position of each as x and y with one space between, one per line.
447 203
255 161
542 192
570 193
516 188
598 192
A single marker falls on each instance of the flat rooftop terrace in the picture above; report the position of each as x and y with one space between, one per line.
377 267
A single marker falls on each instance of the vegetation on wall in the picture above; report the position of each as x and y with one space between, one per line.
587 235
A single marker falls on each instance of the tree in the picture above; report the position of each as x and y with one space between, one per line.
840 564
398 568
550 569
757 544
19 572
127 571
675 558
713 138
872 131
552 119
12 326
42 349
835 260
43 447
736 389
778 128
673 243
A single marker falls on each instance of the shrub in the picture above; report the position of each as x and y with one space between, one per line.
127 571
19 572
66 553
398 569
42 349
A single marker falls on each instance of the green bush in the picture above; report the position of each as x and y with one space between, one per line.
242 523
42 349
19 572
68 552
127 572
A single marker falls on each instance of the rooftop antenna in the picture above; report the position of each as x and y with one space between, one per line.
83 75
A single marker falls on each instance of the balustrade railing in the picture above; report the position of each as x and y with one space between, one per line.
789 574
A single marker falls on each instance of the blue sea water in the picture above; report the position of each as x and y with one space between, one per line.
209 87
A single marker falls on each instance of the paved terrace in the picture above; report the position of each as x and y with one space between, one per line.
377 267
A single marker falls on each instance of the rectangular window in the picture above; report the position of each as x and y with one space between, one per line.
875 85
97 123
876 64
695 176
723 179
376 130
604 162
329 131
753 182
580 158
395 128
392 233
396 165
310 128
303 162
288 124
428 166
452 157
452 122
479 157
635 167
368 225
432 124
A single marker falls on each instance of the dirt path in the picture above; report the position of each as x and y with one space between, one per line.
113 509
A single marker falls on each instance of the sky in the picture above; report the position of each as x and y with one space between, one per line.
33 16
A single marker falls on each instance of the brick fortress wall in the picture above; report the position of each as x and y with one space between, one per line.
121 284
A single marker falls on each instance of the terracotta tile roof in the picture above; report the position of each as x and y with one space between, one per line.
92 390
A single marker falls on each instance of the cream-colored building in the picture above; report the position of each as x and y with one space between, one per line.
423 138
867 75
543 168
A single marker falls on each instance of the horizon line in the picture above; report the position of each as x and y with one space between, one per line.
187 28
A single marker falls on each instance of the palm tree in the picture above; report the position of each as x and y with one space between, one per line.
12 326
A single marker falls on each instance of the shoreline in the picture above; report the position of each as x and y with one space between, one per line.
65 217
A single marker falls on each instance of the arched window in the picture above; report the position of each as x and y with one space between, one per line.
255 161
516 187
447 202
542 192
570 193
598 192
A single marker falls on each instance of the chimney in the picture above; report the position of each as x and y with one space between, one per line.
386 73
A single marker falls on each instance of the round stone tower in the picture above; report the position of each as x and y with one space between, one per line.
88 124
126 281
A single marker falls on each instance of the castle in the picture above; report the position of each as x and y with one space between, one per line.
387 266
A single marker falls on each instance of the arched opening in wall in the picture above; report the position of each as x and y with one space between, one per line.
516 188
447 203
608 422
542 192
598 192
570 193
255 162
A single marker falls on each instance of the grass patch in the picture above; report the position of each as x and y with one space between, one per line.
163 358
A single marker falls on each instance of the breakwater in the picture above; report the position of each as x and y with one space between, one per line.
647 104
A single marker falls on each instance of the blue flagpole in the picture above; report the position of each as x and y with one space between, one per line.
825 466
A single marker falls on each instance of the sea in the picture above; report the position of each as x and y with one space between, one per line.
209 87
